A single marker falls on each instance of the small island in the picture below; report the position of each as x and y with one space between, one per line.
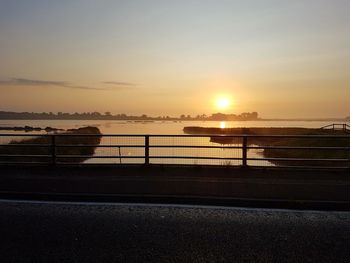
41 152
306 143
30 129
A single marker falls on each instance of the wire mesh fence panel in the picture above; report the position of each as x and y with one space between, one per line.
301 151
193 151
263 151
24 149
254 154
119 150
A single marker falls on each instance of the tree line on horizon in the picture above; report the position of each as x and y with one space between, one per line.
109 116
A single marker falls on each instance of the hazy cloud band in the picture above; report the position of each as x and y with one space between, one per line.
119 83
32 82
64 84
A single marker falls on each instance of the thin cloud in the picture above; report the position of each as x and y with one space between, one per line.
82 87
32 82
119 83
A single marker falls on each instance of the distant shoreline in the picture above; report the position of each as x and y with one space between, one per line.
244 116
170 119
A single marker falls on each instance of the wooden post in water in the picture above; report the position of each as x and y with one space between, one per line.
120 155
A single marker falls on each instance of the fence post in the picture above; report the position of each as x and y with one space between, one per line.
146 149
244 150
53 150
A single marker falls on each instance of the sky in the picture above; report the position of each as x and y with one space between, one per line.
281 58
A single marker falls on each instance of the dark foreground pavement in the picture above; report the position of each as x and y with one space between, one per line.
68 232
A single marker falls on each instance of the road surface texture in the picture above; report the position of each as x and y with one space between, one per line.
77 232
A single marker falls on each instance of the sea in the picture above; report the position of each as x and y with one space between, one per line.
154 127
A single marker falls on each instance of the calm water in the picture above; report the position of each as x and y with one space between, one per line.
159 127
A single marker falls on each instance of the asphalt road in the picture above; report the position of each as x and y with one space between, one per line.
67 232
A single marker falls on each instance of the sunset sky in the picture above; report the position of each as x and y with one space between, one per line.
165 57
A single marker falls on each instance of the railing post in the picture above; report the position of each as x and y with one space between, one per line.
146 149
244 151
53 150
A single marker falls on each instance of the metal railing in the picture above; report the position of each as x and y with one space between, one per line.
228 150
337 127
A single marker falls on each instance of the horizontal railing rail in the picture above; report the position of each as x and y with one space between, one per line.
175 135
160 148
337 126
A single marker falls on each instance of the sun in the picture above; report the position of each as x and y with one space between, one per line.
223 103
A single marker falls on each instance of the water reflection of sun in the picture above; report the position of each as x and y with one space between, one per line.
222 124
